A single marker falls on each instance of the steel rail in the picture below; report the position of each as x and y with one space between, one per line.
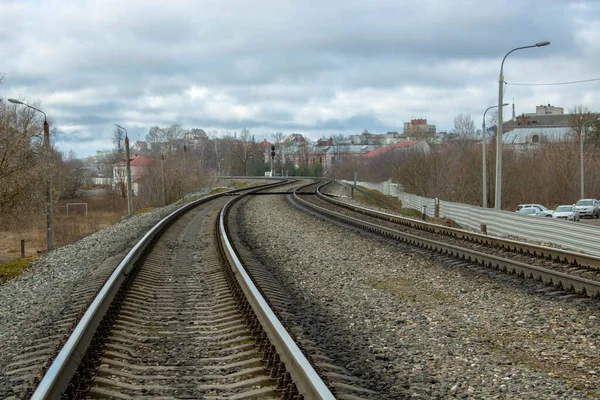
568 282
307 380
59 374
559 255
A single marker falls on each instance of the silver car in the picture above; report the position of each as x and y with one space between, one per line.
588 208
532 211
542 209
567 212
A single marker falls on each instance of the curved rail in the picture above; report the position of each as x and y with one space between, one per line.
555 254
64 366
308 382
568 282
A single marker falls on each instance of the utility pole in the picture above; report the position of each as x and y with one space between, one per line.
49 214
48 184
128 164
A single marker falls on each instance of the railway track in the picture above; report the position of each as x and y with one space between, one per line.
181 317
562 270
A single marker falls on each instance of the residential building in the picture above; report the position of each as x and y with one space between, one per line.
531 138
139 166
382 139
418 126
544 117
398 148
547 110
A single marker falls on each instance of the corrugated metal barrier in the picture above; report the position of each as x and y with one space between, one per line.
576 236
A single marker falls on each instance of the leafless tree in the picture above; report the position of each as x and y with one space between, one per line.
165 140
580 115
464 125
118 140
24 163
365 137
244 149
72 175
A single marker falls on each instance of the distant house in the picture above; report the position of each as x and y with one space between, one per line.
525 139
327 156
418 126
544 117
398 148
139 166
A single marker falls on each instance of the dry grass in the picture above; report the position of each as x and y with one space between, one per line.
377 199
102 212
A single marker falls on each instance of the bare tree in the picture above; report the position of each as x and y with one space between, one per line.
24 164
365 137
580 115
464 126
244 149
166 140
118 140
278 138
72 176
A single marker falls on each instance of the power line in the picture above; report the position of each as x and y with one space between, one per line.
551 84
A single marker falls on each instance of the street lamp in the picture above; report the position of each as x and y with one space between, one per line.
128 163
498 204
49 216
582 140
484 156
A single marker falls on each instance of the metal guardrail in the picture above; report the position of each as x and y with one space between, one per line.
566 256
568 282
575 236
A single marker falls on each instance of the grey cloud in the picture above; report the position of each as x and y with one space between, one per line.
282 58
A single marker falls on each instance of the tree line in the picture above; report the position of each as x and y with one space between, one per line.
548 173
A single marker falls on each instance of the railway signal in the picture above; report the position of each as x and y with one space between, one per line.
272 158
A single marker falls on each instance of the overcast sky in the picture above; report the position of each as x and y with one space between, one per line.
313 67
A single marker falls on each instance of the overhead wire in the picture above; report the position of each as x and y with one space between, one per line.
552 84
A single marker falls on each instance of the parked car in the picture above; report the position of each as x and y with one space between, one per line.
569 213
542 209
533 211
588 208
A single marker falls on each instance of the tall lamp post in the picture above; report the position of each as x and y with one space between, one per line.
498 204
581 142
484 156
128 163
48 190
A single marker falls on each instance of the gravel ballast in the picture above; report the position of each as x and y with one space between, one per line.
405 323
415 327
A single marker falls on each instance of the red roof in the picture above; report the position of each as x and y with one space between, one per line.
264 143
381 151
139 161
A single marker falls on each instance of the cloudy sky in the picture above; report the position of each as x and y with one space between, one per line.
312 67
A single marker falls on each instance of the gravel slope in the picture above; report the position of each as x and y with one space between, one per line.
416 328
32 302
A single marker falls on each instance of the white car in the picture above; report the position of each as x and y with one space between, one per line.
542 209
532 211
588 208
569 213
